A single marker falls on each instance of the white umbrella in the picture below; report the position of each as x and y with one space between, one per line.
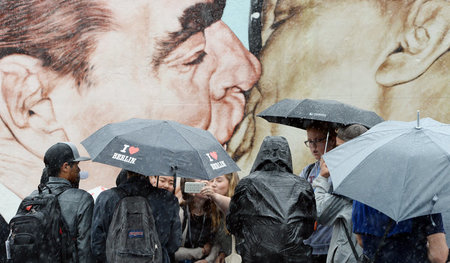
399 168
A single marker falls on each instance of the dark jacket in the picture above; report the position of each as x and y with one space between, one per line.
76 207
165 212
273 210
4 232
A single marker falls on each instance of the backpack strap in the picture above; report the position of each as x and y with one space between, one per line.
350 240
381 244
308 170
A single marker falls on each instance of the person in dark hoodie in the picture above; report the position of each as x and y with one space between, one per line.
164 206
4 232
272 210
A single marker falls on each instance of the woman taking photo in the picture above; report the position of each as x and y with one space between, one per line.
220 190
198 232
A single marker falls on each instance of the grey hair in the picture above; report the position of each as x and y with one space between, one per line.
350 132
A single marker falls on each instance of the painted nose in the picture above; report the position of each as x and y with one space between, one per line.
237 69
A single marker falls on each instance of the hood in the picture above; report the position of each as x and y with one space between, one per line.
274 155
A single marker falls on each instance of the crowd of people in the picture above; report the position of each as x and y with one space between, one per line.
274 214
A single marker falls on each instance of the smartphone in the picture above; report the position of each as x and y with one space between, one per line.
193 187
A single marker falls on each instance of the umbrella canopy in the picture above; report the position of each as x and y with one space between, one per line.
396 167
158 147
300 113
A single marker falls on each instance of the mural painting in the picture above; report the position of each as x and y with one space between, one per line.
69 67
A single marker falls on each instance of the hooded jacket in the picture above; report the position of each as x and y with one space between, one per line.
165 212
272 210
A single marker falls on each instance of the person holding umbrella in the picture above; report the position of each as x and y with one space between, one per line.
398 173
335 210
320 139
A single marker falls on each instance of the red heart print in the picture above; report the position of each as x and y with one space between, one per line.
133 150
213 155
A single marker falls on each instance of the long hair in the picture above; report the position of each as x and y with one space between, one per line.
217 216
208 207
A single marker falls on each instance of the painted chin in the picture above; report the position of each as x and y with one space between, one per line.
226 113
223 136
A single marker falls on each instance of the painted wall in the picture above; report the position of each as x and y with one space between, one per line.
64 76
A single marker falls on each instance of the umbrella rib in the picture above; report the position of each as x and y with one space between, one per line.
186 140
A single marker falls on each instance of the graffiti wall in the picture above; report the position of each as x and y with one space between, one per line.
69 67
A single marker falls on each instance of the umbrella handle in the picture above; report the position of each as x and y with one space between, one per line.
174 173
326 142
418 120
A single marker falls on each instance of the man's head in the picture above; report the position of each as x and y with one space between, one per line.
61 160
346 133
388 56
116 60
69 67
317 134
382 55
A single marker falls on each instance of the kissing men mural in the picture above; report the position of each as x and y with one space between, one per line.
69 67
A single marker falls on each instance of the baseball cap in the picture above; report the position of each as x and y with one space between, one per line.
62 152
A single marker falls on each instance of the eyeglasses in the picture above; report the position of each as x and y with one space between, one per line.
310 143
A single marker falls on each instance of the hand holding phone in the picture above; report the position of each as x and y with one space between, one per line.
193 187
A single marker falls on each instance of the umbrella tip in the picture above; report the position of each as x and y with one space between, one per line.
418 120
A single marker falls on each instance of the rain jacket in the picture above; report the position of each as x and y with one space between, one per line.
76 208
336 211
165 212
272 210
320 239
4 232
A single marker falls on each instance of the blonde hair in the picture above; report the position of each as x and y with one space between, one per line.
217 217
233 180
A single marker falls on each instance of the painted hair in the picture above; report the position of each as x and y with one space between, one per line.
62 34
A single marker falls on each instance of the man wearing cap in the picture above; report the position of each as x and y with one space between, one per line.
61 165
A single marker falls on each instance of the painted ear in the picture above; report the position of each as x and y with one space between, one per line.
25 108
425 38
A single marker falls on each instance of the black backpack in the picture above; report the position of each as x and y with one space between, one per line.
39 232
132 234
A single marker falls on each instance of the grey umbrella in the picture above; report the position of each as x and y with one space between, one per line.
399 168
300 113
158 147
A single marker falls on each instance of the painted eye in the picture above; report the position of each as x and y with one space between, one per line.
197 59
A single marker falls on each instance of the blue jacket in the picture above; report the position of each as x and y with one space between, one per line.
165 212
406 240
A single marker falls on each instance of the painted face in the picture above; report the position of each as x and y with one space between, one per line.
354 52
220 185
164 59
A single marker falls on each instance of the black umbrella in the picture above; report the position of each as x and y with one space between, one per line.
300 113
156 147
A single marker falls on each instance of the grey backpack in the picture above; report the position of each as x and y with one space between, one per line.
132 235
